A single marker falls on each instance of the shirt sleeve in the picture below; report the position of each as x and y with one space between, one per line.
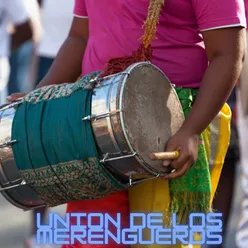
80 9
215 14
16 11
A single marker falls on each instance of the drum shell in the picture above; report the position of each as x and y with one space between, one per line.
23 196
111 132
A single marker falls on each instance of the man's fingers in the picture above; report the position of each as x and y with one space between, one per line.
14 97
169 148
181 172
180 161
166 162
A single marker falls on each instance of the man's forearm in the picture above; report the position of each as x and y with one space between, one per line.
216 86
67 65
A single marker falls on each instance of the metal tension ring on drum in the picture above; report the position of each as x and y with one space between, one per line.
106 159
7 143
93 83
23 183
101 116
133 183
11 105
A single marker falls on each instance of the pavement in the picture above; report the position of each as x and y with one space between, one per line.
15 224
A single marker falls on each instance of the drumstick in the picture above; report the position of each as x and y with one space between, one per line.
164 155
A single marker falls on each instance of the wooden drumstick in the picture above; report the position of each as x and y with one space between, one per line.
164 155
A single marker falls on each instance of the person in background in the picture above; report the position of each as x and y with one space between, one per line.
56 22
52 19
15 29
22 61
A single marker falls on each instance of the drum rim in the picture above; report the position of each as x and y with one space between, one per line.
16 203
128 70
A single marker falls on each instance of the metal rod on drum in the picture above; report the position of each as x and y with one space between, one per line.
23 183
8 143
8 105
164 155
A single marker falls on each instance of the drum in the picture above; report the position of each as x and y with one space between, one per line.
243 85
134 113
89 139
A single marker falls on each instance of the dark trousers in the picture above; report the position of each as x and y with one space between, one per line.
44 65
20 61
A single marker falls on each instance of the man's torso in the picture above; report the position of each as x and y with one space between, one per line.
178 49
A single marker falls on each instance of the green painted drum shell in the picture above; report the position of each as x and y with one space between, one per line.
56 151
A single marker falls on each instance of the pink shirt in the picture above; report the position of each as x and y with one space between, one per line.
246 12
116 26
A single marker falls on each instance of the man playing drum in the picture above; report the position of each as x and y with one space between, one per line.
200 46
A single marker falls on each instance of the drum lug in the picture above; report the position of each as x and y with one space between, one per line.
101 116
23 183
107 159
133 183
126 73
93 83
8 143
11 105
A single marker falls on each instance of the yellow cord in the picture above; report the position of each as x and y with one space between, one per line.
150 24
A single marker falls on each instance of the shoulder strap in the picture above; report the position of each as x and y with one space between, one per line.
150 25
144 51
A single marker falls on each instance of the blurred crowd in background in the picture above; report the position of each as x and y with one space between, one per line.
30 37
31 33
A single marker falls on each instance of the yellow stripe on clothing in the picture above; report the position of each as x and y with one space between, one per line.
154 196
224 139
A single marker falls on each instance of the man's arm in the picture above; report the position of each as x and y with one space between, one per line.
67 65
226 51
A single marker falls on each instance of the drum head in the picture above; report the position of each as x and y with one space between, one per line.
152 113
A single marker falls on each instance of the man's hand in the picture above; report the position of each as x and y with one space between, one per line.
14 97
187 145
225 49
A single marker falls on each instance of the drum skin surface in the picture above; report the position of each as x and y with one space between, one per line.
152 113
